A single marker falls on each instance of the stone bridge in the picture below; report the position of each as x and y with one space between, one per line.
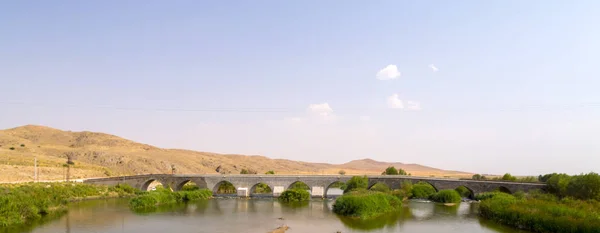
319 184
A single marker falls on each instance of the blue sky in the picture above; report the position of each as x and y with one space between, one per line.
514 88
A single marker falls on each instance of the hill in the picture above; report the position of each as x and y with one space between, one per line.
101 155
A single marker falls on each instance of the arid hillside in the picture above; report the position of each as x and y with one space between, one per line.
101 155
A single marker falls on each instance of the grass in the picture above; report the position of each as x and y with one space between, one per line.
22 203
446 196
162 196
366 204
542 213
294 195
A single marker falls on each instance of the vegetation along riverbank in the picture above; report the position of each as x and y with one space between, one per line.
572 205
163 196
21 203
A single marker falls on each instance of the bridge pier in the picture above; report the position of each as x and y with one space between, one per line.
277 190
243 192
318 191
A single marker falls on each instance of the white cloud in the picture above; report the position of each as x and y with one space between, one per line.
413 105
394 102
432 66
365 118
321 109
389 72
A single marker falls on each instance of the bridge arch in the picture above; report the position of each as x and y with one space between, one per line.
379 186
261 189
503 189
149 182
465 191
299 184
200 183
335 184
224 187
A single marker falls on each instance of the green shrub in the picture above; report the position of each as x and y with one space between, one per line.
486 195
366 204
446 196
294 195
12 148
463 191
190 187
21 203
164 196
585 186
406 188
508 177
357 183
422 190
400 194
271 172
299 185
124 190
262 188
536 215
380 187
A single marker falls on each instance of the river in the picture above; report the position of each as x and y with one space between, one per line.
229 215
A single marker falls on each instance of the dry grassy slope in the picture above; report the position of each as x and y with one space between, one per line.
98 154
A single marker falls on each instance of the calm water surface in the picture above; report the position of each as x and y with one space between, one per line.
258 215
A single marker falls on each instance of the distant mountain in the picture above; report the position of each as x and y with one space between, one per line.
101 155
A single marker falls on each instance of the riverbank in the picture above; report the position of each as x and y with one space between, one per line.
21 203
148 200
542 213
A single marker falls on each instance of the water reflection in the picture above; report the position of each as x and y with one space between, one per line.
387 221
257 215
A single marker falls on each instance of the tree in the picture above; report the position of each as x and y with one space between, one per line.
357 182
342 172
476 177
391 170
402 172
508 177
173 169
585 186
271 172
558 183
545 178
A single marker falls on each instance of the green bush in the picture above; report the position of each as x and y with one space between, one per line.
124 190
21 203
299 185
190 187
406 188
400 194
366 204
422 190
271 172
164 196
446 196
357 183
393 171
508 177
294 195
380 187
463 191
585 187
568 215
262 188
486 195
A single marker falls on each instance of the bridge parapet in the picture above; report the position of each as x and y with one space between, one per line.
318 183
